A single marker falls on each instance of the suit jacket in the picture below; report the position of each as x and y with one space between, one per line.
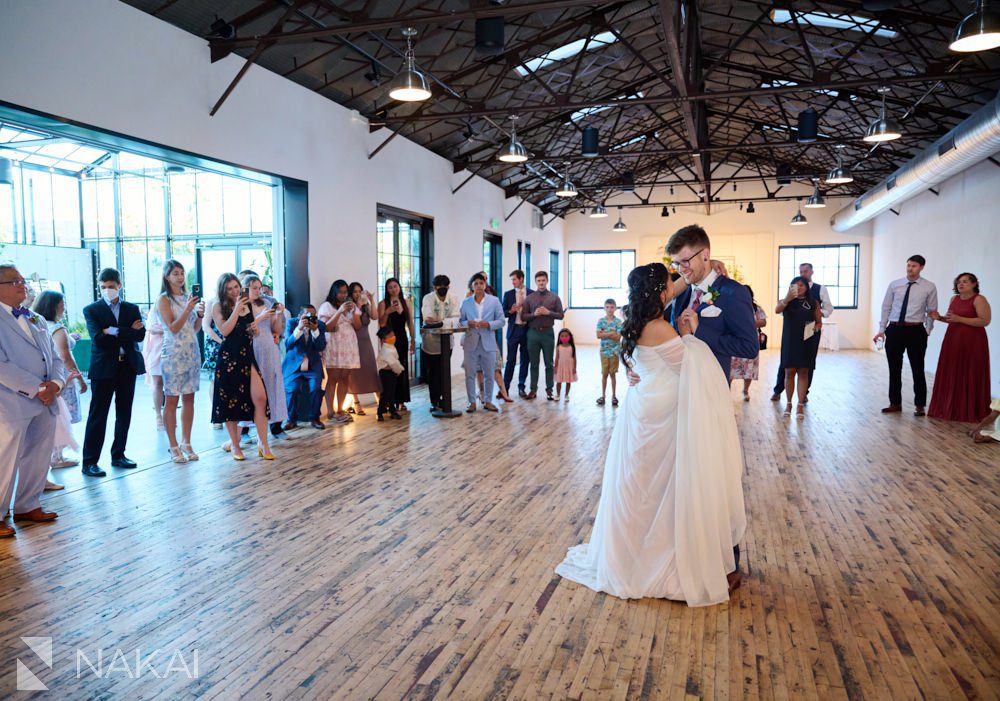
296 349
492 312
509 300
24 366
733 333
105 350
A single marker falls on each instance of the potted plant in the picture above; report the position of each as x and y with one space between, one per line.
81 351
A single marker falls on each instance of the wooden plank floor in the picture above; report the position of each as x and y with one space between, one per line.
415 559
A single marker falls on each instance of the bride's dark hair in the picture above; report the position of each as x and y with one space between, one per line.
645 284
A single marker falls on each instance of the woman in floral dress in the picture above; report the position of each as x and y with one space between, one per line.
747 369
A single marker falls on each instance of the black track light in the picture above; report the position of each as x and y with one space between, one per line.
665 212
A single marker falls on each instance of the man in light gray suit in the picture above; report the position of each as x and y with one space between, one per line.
31 377
482 315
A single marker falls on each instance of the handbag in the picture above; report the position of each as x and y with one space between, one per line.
762 337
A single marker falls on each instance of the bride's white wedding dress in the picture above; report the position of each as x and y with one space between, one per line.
671 506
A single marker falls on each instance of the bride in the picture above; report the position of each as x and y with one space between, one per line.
671 506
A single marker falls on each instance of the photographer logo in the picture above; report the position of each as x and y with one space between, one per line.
26 679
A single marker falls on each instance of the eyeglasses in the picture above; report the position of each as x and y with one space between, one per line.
686 262
20 282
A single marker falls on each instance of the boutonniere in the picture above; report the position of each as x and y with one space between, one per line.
33 319
710 296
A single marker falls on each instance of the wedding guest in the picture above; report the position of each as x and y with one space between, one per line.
239 393
540 311
31 377
609 331
988 430
212 343
51 306
822 296
748 369
116 330
394 311
799 343
152 356
269 325
181 315
565 362
390 370
517 333
305 342
437 306
962 381
342 320
905 325
363 380
482 315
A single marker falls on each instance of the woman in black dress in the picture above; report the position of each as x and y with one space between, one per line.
239 393
798 354
394 312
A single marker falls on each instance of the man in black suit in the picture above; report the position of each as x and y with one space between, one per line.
517 332
116 329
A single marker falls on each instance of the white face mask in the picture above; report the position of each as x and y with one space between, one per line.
110 294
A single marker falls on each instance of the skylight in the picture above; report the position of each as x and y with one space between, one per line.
587 111
835 21
787 83
566 51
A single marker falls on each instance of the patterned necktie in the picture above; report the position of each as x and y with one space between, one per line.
698 292
906 299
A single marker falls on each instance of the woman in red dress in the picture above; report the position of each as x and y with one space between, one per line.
962 382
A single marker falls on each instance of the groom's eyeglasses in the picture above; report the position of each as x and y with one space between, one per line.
686 262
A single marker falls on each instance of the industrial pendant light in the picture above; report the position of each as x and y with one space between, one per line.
566 188
798 219
884 128
840 175
619 226
815 200
598 212
665 212
979 31
750 209
409 85
513 152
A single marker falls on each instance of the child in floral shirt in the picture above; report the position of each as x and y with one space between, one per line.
609 331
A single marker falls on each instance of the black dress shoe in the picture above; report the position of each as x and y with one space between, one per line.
94 471
522 394
123 462
316 423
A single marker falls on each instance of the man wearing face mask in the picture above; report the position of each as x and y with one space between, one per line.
116 329
436 306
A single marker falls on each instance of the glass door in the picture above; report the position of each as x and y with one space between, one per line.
401 255
493 266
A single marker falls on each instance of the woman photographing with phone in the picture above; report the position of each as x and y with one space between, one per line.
365 379
394 311
268 325
799 341
342 319
180 360
239 390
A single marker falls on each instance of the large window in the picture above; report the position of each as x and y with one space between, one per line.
835 267
595 276
554 271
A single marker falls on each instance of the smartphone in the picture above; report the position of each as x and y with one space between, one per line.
245 292
196 290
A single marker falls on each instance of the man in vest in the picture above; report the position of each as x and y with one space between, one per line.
820 294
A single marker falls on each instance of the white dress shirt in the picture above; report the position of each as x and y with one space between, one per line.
707 282
922 299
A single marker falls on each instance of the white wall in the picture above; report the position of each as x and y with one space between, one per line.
108 65
956 232
752 240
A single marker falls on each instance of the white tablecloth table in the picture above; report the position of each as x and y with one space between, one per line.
830 338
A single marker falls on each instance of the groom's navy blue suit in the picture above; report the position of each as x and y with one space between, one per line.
733 333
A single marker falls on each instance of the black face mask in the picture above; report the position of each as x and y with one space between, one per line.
442 291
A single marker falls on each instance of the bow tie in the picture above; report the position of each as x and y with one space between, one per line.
20 311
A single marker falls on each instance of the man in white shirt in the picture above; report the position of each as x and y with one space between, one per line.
821 295
31 377
305 341
438 305
905 325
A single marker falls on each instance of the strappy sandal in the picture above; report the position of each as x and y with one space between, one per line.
600 401
177 456
800 412
788 410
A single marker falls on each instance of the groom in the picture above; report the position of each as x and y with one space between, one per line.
723 307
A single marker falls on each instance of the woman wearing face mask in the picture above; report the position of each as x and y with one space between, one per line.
270 324
803 317
341 356
239 389
363 380
180 361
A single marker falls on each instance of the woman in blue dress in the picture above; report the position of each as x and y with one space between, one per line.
270 324
180 360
